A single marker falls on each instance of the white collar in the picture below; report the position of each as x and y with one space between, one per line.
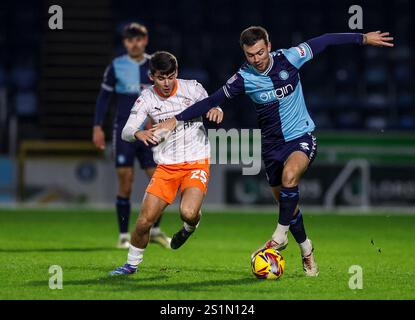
271 63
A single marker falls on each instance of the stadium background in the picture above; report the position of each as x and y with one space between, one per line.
52 179
360 98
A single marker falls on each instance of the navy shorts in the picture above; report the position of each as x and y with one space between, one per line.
125 152
275 160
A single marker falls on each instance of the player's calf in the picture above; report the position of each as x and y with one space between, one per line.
150 212
288 202
306 247
140 236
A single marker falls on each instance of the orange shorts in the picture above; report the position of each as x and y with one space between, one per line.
167 179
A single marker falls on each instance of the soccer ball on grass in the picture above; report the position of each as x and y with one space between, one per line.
268 264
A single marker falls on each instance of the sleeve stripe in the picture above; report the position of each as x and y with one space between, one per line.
226 92
309 49
107 87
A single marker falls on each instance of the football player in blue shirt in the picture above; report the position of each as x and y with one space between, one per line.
272 81
125 77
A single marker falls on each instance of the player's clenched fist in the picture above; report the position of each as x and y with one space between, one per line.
146 136
98 137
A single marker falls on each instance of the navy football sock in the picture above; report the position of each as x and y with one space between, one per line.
288 202
297 228
123 213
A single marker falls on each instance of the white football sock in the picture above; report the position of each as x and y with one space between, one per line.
280 234
190 228
125 235
154 231
306 247
135 255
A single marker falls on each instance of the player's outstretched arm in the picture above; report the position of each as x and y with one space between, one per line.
196 110
376 38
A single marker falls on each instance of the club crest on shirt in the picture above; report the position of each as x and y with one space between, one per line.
187 102
283 74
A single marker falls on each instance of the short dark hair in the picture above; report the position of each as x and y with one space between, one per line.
164 62
134 29
252 35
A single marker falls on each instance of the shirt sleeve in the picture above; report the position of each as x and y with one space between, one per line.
298 55
200 92
318 44
104 96
101 107
234 86
136 120
108 81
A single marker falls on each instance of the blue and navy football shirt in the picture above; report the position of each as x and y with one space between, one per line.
126 78
277 94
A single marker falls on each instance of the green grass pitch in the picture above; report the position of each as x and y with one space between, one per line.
213 264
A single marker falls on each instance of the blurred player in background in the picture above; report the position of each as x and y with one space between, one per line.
182 155
272 81
127 76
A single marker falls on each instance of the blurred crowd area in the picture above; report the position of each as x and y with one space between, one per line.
346 88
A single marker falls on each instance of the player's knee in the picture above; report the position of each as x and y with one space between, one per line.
125 191
145 220
144 224
189 214
290 178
